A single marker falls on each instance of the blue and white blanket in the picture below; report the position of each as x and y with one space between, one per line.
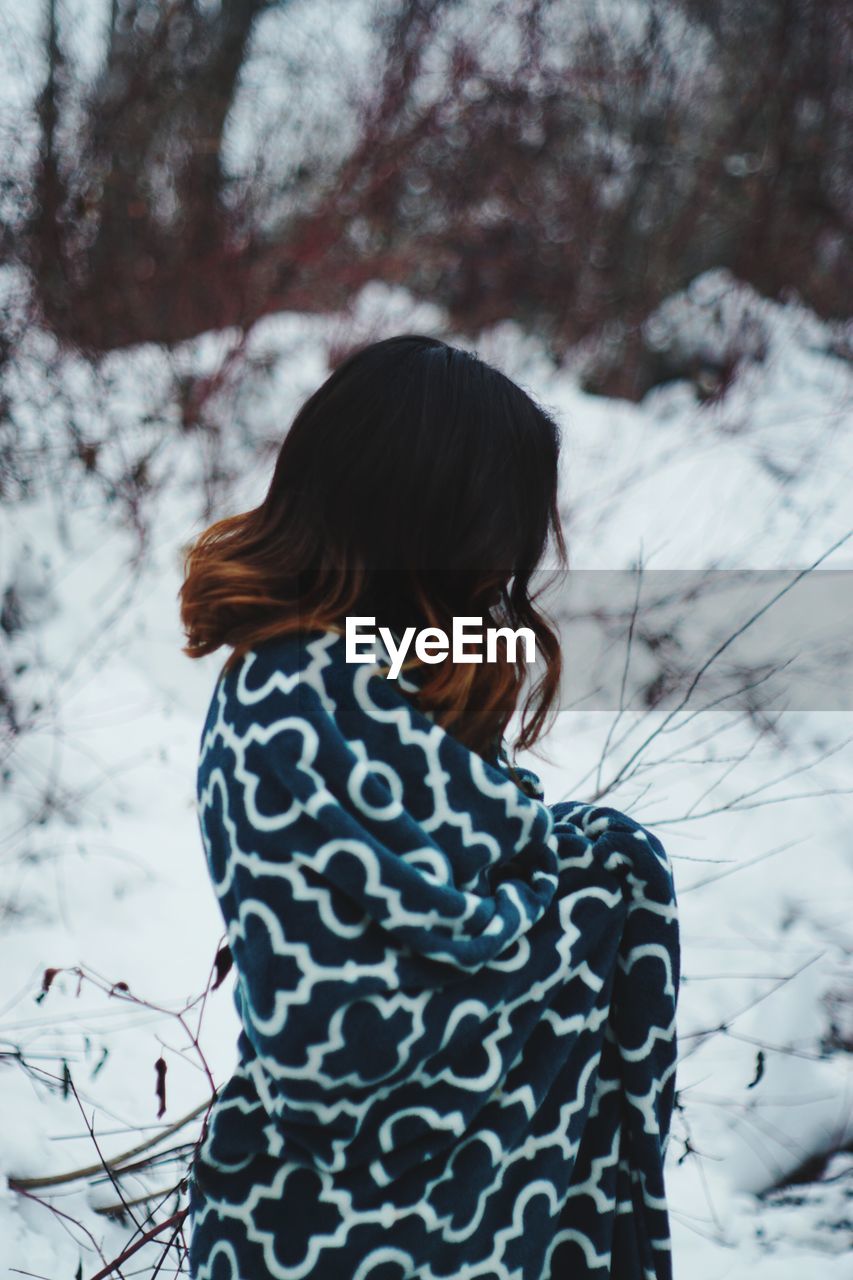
457 1055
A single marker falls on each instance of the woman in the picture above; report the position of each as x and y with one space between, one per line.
457 1054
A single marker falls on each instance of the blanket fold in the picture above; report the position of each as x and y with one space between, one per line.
457 1055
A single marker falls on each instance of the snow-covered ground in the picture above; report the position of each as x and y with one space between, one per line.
100 714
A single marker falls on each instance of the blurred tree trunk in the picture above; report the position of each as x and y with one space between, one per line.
131 237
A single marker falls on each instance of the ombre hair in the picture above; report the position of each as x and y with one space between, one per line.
416 484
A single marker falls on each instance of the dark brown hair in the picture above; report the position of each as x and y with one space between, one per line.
416 484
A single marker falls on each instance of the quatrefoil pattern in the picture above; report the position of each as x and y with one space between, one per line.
457 1054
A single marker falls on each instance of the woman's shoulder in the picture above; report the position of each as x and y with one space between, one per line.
307 673
594 819
277 703
284 663
609 829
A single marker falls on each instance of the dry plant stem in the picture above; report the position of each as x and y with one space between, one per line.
90 1125
114 1165
624 770
624 683
700 1037
117 1162
641 764
751 862
65 1217
127 1161
122 1206
176 1220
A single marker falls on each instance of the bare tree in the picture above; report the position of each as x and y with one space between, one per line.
571 186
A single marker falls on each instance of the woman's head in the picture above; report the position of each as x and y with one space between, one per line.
417 483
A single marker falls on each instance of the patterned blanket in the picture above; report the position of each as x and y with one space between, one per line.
457 1055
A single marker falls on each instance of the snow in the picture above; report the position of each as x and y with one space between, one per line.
102 865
